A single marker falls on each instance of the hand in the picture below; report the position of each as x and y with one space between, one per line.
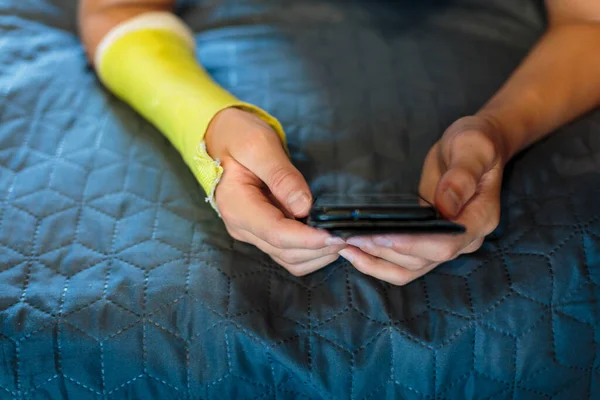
261 193
462 174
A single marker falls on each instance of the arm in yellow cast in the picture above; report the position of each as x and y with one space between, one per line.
146 56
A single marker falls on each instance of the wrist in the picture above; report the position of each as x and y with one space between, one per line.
503 133
234 119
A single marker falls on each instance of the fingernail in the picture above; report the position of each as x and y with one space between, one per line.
356 242
452 202
360 242
383 242
298 202
346 254
334 241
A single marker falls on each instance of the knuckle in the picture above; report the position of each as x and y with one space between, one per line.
256 140
230 218
473 247
487 217
486 146
444 253
416 266
481 131
493 220
274 239
400 280
233 233
375 251
296 270
279 175
290 257
408 248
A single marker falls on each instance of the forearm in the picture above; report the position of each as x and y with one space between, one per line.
557 82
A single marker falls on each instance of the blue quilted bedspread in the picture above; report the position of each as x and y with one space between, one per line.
118 281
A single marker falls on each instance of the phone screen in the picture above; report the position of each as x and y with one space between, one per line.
370 200
337 207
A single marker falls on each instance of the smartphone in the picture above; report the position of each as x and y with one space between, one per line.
346 215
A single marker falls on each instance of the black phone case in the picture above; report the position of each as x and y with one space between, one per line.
379 215
345 229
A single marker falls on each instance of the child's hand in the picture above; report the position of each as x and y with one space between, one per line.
261 191
462 174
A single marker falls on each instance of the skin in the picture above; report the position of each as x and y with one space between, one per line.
258 196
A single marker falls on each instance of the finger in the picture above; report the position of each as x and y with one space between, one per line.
246 207
481 216
430 174
291 256
307 267
409 262
382 269
468 156
262 153
437 248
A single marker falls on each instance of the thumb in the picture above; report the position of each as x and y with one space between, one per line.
468 155
265 157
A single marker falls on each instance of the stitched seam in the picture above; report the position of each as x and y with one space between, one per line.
435 373
370 341
384 323
102 370
348 289
284 341
8 391
188 274
413 339
70 245
333 270
409 319
569 386
413 390
458 380
162 381
40 385
332 343
179 258
561 244
82 307
272 369
76 382
331 318
453 313
124 384
174 334
514 367
124 329
533 300
30 334
219 380
376 390
455 335
75 327
169 304
119 306
509 385
351 368
18 367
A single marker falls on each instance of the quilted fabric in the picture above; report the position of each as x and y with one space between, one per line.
118 281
